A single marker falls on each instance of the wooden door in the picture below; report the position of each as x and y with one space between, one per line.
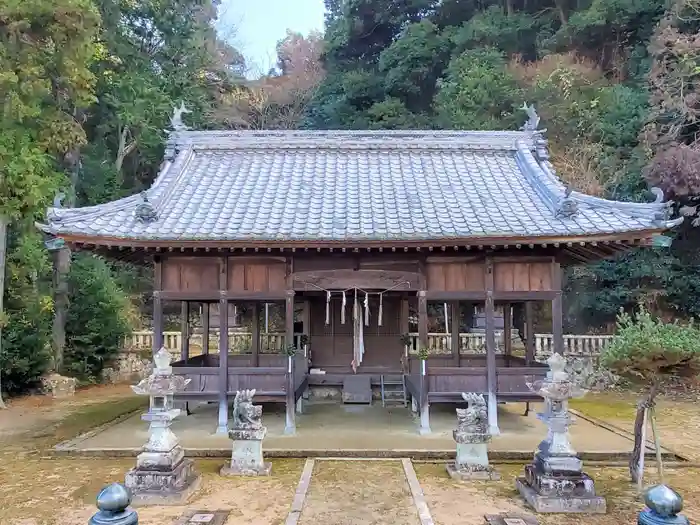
331 344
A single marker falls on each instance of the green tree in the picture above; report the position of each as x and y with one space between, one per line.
45 51
478 92
649 352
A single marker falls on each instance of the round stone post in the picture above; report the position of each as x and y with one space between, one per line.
113 504
663 507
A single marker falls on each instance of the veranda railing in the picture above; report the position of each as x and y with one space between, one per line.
438 343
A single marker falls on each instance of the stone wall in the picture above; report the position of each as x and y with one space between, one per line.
132 365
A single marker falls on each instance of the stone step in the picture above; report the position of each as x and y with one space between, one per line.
357 389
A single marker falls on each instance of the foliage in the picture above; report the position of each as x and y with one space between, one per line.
28 309
478 92
45 51
99 318
648 349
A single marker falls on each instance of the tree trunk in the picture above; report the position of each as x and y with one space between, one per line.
639 422
3 260
61 268
561 10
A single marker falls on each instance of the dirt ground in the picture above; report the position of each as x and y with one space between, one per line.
358 493
678 420
39 490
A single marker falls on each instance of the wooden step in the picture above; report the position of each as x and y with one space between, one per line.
357 389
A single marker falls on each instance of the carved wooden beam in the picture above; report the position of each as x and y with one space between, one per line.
343 279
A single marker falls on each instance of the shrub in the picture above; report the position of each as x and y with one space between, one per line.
99 318
649 350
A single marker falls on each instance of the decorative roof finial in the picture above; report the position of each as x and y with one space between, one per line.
145 212
176 120
568 207
533 119
57 200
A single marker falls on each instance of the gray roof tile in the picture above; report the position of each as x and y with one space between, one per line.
352 186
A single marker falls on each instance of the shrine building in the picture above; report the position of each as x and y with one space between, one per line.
356 235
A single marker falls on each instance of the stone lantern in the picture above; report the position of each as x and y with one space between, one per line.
162 475
554 481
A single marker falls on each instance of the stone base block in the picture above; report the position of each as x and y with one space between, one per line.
165 461
58 386
648 517
158 487
560 504
466 474
246 470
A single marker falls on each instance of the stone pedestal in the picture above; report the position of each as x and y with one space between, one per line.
162 475
472 461
559 492
472 438
247 454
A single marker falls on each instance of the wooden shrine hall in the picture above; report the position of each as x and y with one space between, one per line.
356 233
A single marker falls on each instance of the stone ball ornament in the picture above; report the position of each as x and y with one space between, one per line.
663 507
113 503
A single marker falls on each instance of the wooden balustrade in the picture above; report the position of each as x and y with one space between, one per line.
438 344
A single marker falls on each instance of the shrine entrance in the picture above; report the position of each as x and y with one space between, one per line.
356 335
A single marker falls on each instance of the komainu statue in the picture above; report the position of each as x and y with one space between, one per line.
245 414
474 419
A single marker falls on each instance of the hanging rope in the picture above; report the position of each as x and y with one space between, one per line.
366 301
342 311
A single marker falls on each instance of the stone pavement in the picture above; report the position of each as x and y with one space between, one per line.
333 430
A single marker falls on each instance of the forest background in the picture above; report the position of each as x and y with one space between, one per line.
88 86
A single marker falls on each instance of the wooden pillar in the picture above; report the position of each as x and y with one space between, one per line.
290 421
558 324
222 427
491 378
157 306
455 323
558 313
206 327
423 339
508 332
404 323
255 343
529 333
185 330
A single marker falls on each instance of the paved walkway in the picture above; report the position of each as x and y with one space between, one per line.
394 497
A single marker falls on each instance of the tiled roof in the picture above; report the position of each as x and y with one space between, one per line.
349 186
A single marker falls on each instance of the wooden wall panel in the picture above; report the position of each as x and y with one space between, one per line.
191 274
524 277
455 276
256 275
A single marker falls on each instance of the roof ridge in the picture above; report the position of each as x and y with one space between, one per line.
541 173
349 139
